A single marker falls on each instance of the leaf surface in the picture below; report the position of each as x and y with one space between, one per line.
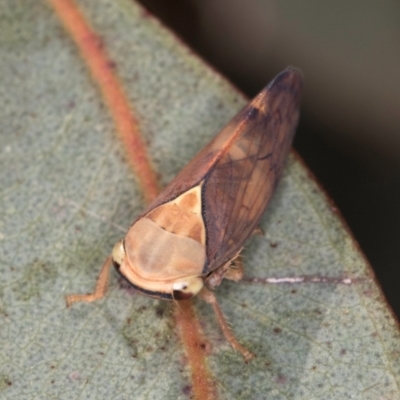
67 195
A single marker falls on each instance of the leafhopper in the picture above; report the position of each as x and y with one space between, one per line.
190 238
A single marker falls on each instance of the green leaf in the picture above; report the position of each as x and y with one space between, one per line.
67 195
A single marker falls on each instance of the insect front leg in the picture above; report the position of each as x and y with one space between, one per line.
210 298
101 286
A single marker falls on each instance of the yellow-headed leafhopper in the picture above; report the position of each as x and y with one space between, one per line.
191 236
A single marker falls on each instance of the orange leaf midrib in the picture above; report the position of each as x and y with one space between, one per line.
103 72
104 75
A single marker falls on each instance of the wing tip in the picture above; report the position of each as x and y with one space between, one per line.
291 77
290 80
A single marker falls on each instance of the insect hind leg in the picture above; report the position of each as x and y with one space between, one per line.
236 270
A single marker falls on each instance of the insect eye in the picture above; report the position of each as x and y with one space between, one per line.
118 254
186 289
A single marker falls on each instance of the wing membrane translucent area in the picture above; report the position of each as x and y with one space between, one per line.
240 184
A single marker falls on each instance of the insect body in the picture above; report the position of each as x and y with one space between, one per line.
191 236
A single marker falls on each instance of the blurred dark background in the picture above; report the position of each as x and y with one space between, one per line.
349 135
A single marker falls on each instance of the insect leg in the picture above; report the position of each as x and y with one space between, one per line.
101 286
258 231
209 297
236 270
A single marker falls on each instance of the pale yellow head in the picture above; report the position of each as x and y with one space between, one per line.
163 253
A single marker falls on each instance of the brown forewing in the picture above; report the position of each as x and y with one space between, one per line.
241 167
243 180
